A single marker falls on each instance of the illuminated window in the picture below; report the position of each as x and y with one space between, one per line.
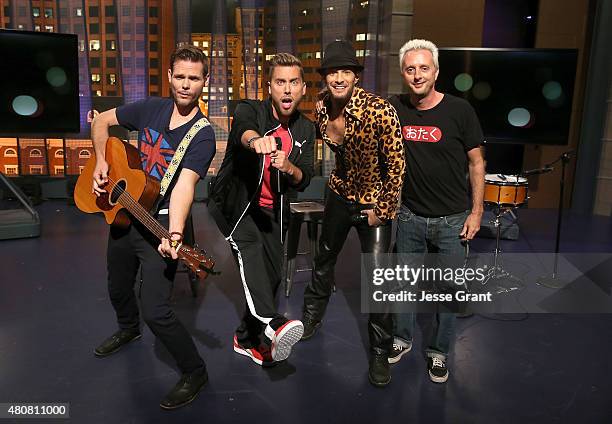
360 37
364 3
95 78
78 11
196 43
48 13
35 153
10 153
329 8
94 45
59 170
36 12
37 28
49 28
59 153
10 169
204 43
112 79
36 169
84 154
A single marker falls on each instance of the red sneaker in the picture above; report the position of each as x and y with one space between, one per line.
284 338
260 355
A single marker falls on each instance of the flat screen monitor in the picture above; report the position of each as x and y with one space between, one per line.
520 95
40 83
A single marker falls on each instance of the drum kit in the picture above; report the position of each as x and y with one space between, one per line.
509 192
505 193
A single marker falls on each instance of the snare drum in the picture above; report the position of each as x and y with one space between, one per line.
505 190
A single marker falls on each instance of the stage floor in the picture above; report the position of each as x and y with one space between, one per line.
54 309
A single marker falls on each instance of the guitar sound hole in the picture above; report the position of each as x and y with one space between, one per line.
118 189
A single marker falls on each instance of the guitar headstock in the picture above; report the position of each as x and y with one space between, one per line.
197 261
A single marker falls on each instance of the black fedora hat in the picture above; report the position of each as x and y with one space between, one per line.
339 54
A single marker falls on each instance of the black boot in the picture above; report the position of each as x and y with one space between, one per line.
185 390
116 342
310 327
379 373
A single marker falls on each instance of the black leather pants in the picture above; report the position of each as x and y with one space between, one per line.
339 217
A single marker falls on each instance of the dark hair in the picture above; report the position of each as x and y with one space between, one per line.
190 53
285 59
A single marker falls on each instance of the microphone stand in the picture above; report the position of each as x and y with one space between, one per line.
552 281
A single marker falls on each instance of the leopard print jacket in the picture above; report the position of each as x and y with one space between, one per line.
370 163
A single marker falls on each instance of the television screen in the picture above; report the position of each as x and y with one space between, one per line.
520 95
40 83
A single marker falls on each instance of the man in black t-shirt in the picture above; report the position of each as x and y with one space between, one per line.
442 138
162 124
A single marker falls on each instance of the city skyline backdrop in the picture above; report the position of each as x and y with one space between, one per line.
124 48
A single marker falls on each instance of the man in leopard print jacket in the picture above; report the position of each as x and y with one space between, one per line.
363 131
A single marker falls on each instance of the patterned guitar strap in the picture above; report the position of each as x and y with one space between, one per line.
178 155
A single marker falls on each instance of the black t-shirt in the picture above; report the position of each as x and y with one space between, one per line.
157 143
436 142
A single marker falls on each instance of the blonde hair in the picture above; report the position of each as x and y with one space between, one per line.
419 44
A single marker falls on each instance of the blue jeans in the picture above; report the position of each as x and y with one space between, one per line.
418 234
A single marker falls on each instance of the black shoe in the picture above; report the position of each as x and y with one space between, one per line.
310 327
398 351
115 342
438 373
379 373
185 390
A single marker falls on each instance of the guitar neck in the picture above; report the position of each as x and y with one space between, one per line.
144 217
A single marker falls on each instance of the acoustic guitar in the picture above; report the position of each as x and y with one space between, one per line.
131 193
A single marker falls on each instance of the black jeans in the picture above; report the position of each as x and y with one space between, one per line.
127 251
339 217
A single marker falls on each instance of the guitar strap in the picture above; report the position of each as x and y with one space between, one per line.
178 155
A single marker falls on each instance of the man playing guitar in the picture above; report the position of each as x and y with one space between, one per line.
162 123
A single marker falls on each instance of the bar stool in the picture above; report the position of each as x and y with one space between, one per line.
312 214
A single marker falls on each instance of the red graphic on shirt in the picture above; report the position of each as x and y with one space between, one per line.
155 153
422 134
